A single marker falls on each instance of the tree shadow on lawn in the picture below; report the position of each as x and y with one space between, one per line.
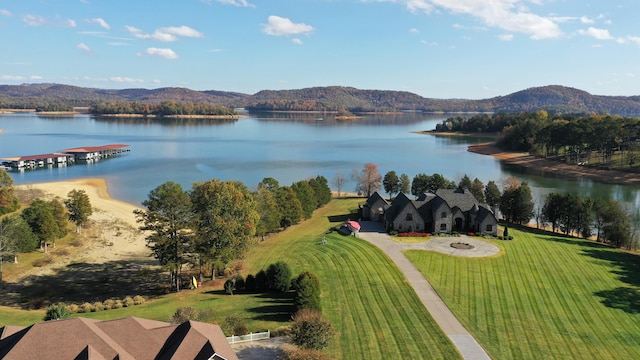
626 266
86 282
354 215
276 307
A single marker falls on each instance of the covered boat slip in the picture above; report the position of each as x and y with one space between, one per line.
64 157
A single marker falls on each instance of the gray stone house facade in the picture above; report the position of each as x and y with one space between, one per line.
446 210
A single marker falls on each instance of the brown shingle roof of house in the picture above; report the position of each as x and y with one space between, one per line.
122 339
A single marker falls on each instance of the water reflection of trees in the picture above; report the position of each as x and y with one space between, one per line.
164 121
329 118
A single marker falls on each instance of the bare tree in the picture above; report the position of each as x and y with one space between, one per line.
338 181
368 180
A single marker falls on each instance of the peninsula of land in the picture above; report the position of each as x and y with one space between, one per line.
555 167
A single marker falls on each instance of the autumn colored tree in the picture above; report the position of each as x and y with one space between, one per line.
8 200
368 180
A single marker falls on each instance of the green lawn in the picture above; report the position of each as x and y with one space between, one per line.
547 297
375 312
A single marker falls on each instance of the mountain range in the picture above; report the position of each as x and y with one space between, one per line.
552 98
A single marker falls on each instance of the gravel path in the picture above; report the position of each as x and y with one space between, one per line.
466 344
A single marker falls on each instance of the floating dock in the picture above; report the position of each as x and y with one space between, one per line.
64 157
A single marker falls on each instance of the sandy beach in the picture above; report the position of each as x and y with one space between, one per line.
556 167
112 233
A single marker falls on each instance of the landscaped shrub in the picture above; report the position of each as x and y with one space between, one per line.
250 283
279 276
261 281
304 354
281 331
231 324
73 308
86 307
310 330
128 301
108 304
393 233
184 314
138 300
307 287
117 304
56 311
229 286
98 306
239 283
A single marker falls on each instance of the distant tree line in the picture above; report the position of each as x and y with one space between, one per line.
574 214
575 138
164 108
215 222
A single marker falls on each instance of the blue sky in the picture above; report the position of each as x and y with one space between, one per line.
435 48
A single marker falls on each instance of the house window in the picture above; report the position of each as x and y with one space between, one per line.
489 228
400 226
443 227
409 217
443 215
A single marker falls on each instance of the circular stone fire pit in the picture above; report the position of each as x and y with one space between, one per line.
461 246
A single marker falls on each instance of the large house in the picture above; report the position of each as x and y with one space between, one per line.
127 338
446 210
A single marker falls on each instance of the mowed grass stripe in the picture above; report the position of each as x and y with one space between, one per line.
541 298
366 298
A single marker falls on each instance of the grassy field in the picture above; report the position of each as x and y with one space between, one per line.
547 297
375 312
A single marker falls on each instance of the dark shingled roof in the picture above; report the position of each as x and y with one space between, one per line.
462 198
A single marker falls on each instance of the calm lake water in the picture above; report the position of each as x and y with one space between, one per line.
287 147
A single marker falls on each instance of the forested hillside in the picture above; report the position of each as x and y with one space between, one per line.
340 99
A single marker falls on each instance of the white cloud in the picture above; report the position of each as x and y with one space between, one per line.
84 47
297 41
33 20
279 26
510 15
5 12
69 23
165 34
164 53
241 3
599 34
505 37
11 77
414 31
124 79
634 39
36 77
101 22
586 20
631 75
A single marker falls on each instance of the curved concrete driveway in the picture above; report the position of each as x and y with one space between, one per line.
467 345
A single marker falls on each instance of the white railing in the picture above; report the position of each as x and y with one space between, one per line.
249 337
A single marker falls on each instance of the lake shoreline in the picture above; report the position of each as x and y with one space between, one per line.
555 167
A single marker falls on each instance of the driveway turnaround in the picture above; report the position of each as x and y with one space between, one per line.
467 345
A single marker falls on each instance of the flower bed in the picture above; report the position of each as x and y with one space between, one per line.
413 234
